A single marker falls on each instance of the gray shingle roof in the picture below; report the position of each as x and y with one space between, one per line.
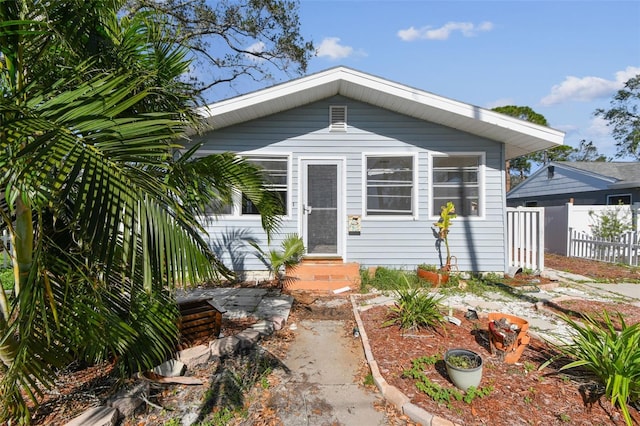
622 171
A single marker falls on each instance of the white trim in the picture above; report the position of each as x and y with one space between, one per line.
520 137
236 208
341 230
414 190
482 186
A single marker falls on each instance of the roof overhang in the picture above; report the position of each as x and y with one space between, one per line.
625 185
520 137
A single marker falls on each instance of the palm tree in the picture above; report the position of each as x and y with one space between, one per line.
101 226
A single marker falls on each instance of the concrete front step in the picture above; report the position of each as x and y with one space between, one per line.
323 275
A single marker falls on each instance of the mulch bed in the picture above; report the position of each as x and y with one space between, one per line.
521 394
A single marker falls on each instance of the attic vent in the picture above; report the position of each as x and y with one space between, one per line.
338 118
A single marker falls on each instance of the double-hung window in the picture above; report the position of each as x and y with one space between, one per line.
274 171
389 183
457 178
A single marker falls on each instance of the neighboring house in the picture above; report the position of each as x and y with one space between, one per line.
364 164
582 182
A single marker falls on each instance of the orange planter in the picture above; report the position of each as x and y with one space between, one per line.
435 278
509 343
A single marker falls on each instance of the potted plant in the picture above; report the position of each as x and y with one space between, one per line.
431 273
464 368
508 336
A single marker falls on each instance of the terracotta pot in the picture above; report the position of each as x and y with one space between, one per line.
435 278
464 378
508 343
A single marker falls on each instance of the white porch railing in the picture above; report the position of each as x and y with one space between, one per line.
625 250
525 237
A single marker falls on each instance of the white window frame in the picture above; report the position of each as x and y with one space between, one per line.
236 208
481 182
609 197
414 187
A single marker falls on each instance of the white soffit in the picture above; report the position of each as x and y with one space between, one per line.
520 137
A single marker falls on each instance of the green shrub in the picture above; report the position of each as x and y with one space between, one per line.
428 267
614 357
414 309
6 278
387 278
611 223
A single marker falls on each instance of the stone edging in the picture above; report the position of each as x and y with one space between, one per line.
390 392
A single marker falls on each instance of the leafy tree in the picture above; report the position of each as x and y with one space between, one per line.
234 39
519 168
523 113
624 118
586 151
100 206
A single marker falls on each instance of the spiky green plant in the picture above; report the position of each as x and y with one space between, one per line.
613 356
414 309
290 254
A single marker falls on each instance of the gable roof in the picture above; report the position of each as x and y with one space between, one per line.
599 175
622 174
520 137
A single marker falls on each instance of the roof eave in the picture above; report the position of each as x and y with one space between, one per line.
521 137
625 185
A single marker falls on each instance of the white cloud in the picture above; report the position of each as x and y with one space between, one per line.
467 29
257 47
598 128
586 89
332 49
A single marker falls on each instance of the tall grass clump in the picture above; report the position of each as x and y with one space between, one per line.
387 278
612 355
414 309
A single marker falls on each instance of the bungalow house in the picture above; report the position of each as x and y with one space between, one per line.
364 164
579 182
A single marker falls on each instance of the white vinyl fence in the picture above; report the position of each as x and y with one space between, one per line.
625 249
525 237
581 218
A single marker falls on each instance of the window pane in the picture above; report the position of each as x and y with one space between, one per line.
275 170
389 185
456 161
275 174
218 208
456 178
249 208
614 200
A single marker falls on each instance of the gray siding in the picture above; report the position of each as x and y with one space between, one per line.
478 243
564 181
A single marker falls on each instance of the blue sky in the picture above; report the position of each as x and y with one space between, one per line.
564 59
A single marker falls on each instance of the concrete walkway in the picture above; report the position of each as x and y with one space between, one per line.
261 303
318 385
320 388
625 292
